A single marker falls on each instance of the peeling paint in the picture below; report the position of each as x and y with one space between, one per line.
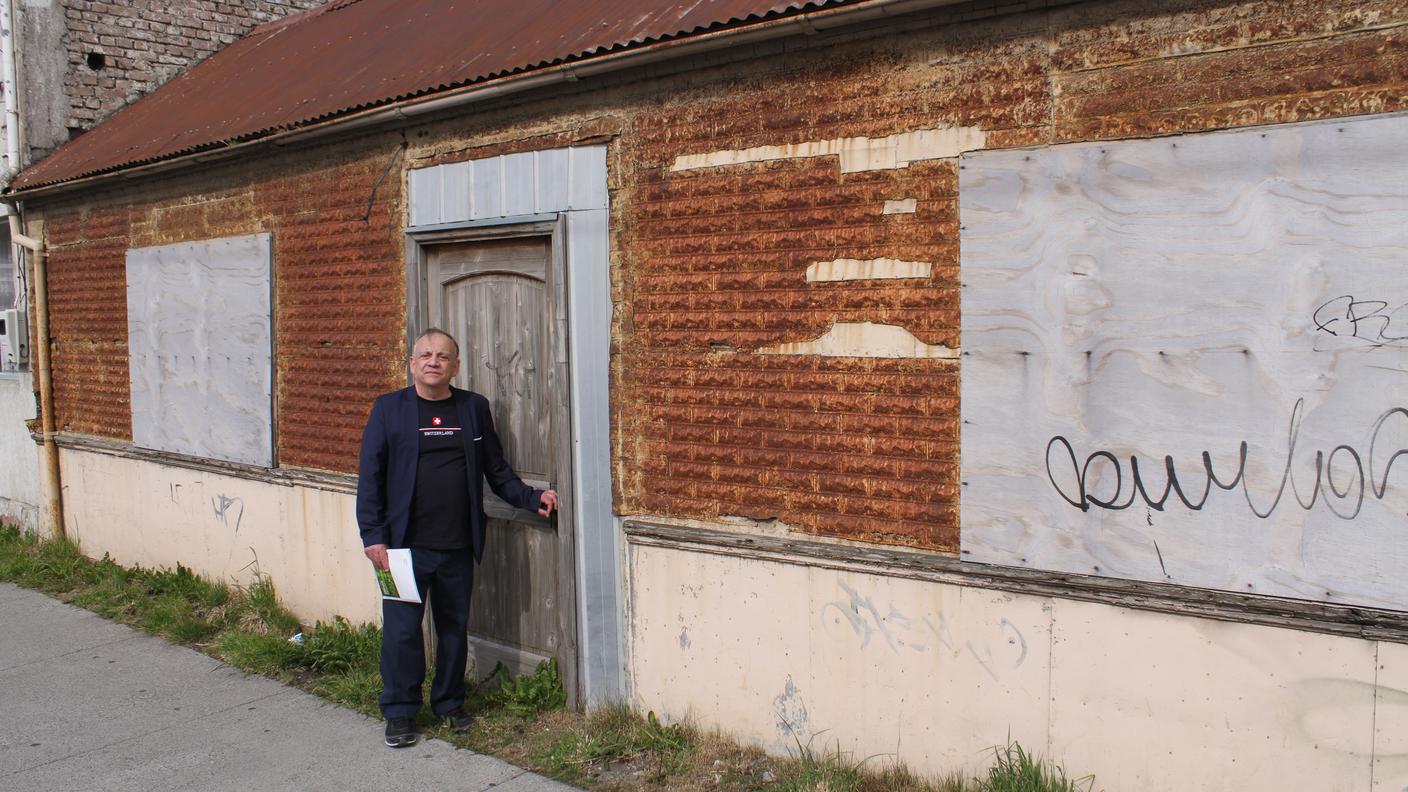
866 269
906 206
864 339
791 711
856 153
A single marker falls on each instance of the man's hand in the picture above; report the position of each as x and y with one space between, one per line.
377 554
548 504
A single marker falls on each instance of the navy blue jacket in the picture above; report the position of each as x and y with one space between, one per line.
386 477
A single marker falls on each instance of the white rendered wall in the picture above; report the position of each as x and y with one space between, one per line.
155 515
777 653
19 456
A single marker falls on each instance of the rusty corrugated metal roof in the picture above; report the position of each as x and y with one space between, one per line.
350 55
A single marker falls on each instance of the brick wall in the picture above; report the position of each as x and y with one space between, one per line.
118 51
709 264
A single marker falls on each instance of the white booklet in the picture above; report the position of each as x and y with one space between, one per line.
399 582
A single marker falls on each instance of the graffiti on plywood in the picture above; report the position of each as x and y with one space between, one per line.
1186 359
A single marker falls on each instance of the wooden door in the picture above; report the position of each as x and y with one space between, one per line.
500 299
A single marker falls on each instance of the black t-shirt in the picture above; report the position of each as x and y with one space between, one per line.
440 505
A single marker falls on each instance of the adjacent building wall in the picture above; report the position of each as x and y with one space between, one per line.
82 61
19 473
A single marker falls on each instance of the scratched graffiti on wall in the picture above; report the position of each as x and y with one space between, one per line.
998 647
1186 359
226 508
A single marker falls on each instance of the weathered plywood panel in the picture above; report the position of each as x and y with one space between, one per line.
1230 307
198 318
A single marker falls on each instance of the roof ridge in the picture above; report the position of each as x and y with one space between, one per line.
301 16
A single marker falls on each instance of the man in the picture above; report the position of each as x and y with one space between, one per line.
425 453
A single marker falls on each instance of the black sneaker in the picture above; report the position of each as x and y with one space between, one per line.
400 732
458 720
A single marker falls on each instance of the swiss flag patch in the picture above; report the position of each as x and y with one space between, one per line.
435 421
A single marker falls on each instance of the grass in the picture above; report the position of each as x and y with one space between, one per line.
654 750
1015 770
519 719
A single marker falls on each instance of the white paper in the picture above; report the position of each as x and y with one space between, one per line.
404 574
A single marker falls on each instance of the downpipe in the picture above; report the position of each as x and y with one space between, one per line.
39 279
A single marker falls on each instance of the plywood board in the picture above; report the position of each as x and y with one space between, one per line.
1231 307
198 322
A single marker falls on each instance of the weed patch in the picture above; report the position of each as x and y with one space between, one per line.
1015 770
529 694
616 736
259 653
811 771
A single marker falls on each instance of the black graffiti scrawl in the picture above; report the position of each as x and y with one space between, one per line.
1364 473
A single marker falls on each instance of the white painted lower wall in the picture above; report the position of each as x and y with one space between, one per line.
154 515
19 455
936 674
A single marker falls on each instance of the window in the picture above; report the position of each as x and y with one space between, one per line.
199 340
14 334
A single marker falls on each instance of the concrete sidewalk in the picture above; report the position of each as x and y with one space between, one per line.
86 704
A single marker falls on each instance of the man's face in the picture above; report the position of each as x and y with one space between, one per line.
434 362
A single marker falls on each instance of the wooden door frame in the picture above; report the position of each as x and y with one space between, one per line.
418 291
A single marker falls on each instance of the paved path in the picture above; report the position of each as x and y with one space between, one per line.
86 704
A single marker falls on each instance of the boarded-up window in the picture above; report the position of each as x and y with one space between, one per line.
198 329
1186 359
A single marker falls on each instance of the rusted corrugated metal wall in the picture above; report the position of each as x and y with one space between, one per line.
709 264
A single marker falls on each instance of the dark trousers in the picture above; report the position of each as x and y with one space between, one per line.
447 576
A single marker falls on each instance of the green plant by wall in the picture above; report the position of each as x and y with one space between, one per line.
1015 770
527 694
